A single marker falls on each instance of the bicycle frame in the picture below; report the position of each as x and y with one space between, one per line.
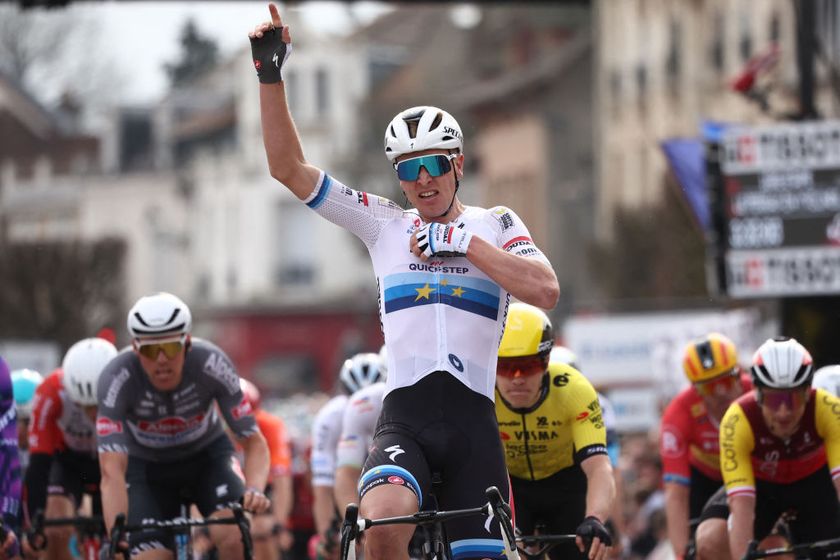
546 542
353 526
181 526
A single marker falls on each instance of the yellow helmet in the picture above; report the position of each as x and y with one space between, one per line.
709 357
528 332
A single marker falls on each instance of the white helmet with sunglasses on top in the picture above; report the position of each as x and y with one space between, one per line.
159 315
422 128
81 367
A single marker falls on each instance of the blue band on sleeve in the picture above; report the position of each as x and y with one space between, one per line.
323 191
679 479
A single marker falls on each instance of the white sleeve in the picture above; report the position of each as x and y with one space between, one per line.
361 213
512 235
326 430
358 426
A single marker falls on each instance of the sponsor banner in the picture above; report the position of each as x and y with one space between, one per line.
777 272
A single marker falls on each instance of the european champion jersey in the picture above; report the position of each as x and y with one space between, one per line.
440 315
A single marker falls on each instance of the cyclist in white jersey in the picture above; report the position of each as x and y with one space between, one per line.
445 273
356 373
357 430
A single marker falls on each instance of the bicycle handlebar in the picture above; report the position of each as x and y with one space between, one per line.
179 524
353 526
825 545
546 542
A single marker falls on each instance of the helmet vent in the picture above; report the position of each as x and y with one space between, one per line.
437 121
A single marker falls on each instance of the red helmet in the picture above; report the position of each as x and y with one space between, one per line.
251 393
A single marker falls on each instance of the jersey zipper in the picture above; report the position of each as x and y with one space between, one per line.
526 438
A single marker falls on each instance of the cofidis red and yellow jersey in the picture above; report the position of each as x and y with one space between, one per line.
689 437
749 451
564 427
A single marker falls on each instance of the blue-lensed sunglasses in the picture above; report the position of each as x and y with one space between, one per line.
435 164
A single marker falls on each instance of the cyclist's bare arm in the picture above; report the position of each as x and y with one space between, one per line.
257 460
282 143
600 486
346 480
282 498
741 519
323 508
114 494
528 280
676 513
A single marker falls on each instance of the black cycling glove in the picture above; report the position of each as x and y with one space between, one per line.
270 53
591 528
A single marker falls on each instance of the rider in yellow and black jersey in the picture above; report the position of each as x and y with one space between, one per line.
563 428
554 437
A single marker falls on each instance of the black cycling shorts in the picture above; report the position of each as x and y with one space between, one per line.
157 490
557 504
700 492
716 507
73 474
813 500
439 425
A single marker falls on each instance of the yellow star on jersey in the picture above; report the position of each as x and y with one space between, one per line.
444 282
424 292
457 291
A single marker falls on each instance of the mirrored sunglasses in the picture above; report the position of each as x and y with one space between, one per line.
775 399
521 367
721 385
436 165
170 349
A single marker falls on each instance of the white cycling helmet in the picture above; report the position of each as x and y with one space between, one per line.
158 315
782 363
828 378
82 365
422 128
360 371
24 384
562 355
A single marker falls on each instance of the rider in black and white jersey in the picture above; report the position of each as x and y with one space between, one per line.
445 273
160 434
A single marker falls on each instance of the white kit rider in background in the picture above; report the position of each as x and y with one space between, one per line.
445 274
357 372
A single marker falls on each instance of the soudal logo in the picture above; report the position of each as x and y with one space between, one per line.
242 409
171 425
104 427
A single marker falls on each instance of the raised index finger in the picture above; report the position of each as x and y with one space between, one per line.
275 16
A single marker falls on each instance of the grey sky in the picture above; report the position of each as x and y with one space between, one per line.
143 35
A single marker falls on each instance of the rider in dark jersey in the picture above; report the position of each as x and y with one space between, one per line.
159 430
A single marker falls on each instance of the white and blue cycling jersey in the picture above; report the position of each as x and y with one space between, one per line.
440 315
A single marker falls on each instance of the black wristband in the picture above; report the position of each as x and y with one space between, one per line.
269 53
